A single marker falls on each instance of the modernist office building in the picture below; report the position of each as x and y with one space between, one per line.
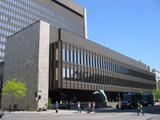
17 14
59 64
55 59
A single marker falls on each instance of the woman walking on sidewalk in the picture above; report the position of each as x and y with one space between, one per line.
139 109
79 107
56 107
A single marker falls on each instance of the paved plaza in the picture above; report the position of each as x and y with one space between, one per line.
73 115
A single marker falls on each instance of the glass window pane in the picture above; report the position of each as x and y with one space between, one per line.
75 56
78 57
64 55
71 56
68 73
67 50
82 58
64 73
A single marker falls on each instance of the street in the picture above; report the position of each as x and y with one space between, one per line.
73 115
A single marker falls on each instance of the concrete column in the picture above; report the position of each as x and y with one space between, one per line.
43 64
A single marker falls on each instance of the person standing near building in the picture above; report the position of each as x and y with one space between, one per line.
79 107
56 107
139 109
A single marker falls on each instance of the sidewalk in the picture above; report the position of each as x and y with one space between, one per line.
151 109
48 111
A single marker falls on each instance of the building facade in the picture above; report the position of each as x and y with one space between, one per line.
157 75
64 65
17 14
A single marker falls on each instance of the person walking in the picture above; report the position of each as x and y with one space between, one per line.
56 107
79 107
93 106
10 108
89 107
139 109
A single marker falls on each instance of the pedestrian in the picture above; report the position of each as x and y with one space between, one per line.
93 106
79 107
68 105
10 108
56 107
89 107
139 109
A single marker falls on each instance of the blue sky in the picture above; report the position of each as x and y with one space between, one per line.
131 27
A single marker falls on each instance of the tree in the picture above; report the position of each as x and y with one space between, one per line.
15 89
156 93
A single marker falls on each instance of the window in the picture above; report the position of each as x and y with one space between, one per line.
64 54
68 73
67 55
75 74
64 73
82 58
71 56
75 56
78 57
72 75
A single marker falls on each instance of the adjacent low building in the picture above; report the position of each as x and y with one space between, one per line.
58 64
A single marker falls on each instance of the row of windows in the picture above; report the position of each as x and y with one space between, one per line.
12 9
2 39
38 10
2 46
5 32
77 75
9 27
2 54
82 57
16 14
8 14
89 59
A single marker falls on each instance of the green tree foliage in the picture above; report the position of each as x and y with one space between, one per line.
14 88
156 93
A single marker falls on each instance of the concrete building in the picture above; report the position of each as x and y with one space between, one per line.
157 75
17 14
59 64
